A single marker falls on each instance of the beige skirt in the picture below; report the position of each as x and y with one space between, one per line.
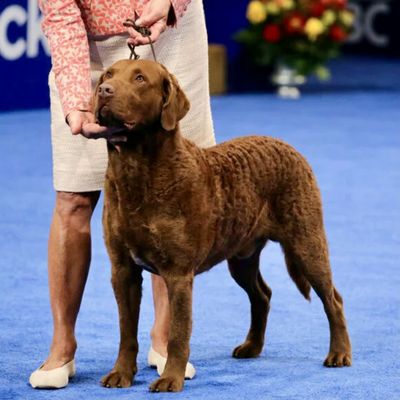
79 164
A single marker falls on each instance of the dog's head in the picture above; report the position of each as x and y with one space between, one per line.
139 94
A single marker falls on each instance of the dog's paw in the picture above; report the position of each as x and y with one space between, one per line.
167 384
247 350
338 359
117 379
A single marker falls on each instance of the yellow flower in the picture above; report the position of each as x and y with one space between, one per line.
328 17
322 73
256 12
347 18
272 7
313 28
287 4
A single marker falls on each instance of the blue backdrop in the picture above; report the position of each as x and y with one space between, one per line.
25 62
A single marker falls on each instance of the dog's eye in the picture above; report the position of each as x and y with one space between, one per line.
108 74
139 78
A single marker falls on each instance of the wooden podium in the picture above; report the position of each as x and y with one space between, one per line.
217 69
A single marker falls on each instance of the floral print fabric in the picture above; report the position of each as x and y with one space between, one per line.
67 24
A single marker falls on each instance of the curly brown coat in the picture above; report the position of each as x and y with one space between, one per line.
177 210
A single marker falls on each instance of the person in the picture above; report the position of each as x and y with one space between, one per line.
85 37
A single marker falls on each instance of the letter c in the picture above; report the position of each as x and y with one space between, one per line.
16 14
376 39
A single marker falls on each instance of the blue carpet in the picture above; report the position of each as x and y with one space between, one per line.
349 131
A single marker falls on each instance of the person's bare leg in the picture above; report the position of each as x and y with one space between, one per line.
159 332
69 254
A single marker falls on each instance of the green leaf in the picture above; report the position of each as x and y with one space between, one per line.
322 73
246 36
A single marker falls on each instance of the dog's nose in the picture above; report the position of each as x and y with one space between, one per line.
106 90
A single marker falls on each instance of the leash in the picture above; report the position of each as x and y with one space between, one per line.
145 32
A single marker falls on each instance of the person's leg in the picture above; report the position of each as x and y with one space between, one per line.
192 74
69 255
159 332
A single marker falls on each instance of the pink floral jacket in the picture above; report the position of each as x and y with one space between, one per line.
67 24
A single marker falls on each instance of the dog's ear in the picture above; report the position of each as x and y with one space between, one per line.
94 93
175 103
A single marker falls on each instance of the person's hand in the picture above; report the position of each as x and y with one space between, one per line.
84 123
154 16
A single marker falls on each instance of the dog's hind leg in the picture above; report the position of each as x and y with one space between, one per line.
245 271
308 262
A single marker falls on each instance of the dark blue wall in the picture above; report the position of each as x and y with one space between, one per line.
24 63
223 19
24 60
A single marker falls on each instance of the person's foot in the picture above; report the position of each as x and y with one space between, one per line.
155 359
55 372
159 339
61 352
160 345
157 356
56 378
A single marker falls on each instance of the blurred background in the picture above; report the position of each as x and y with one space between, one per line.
25 62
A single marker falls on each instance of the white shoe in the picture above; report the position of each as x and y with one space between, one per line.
155 359
56 378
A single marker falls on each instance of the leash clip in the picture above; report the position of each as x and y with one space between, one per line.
145 32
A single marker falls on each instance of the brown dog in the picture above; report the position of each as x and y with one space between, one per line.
177 210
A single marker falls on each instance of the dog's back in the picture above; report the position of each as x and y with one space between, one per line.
262 188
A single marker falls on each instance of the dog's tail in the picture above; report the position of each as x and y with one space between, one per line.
298 277
301 282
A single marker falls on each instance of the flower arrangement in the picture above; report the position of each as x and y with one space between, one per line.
301 34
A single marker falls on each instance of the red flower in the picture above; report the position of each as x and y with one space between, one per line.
334 3
337 33
340 3
272 33
294 23
317 8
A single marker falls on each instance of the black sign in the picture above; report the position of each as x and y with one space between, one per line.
377 27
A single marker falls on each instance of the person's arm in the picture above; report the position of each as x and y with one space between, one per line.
67 36
157 15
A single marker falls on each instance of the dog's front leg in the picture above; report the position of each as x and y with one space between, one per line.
180 303
127 284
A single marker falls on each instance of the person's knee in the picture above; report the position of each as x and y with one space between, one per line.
70 206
